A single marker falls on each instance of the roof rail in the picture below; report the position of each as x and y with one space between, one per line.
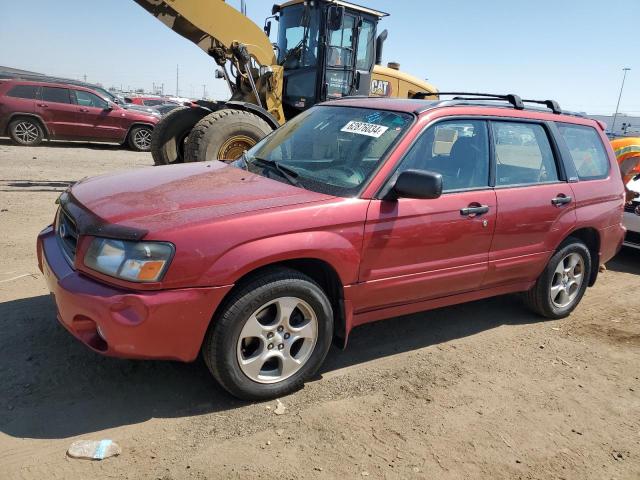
515 100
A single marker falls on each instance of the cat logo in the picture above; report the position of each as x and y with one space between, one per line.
380 88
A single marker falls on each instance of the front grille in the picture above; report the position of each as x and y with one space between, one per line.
67 234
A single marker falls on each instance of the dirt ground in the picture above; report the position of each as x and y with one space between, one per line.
482 390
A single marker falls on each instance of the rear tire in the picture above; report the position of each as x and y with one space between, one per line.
562 284
26 131
139 138
169 135
270 336
224 135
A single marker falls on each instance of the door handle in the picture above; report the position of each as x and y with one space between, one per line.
84 110
560 200
472 211
43 105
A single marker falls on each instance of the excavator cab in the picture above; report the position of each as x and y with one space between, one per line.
327 49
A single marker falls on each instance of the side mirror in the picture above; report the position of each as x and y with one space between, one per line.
417 184
334 17
267 28
108 106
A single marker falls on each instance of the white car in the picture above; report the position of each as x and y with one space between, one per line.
632 217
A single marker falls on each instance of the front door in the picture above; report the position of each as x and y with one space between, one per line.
418 250
96 120
57 111
340 59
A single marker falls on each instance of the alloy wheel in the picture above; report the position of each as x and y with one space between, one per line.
142 139
567 279
277 340
27 132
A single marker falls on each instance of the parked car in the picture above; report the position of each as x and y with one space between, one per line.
104 93
32 111
632 216
150 101
350 213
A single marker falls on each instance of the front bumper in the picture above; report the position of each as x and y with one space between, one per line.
164 324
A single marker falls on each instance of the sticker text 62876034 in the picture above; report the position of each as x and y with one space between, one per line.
363 128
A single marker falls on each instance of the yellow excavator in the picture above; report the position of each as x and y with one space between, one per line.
326 49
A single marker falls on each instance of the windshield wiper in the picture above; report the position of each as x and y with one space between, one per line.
287 173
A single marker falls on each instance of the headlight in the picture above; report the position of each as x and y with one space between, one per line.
132 261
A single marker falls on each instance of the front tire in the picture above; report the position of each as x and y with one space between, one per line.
271 336
224 135
26 131
140 138
561 286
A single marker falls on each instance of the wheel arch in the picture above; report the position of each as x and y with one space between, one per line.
255 109
138 124
35 116
320 271
591 238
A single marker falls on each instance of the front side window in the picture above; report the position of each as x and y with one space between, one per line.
298 37
87 99
332 150
523 154
587 152
457 149
55 94
23 91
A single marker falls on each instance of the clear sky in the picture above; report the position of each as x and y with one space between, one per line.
569 50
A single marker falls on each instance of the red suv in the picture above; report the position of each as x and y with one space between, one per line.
354 211
31 111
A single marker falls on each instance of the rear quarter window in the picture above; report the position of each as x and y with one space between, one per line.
23 91
587 152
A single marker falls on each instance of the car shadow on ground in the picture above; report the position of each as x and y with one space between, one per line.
54 387
627 261
69 144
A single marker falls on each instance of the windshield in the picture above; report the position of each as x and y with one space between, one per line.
328 149
297 44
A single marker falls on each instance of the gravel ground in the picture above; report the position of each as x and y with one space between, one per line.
482 390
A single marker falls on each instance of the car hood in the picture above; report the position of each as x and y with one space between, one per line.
170 196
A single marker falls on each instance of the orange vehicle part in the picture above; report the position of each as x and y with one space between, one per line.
627 152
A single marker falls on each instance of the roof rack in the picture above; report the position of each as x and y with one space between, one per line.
513 99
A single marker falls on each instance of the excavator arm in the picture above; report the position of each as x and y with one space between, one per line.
210 24
227 35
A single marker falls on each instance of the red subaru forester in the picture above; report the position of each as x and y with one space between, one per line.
356 210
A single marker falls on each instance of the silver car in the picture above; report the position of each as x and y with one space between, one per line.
632 217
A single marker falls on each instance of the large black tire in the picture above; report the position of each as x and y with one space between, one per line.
224 135
538 299
167 141
26 131
221 349
139 138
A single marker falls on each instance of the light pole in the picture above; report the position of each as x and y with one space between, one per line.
624 76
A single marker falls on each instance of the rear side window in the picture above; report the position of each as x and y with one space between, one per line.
54 94
523 154
23 91
587 152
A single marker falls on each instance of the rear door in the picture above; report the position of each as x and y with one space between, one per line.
96 120
536 205
416 249
57 111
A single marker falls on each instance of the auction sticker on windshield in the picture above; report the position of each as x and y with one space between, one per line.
363 128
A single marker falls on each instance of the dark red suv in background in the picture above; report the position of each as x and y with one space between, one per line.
31 111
